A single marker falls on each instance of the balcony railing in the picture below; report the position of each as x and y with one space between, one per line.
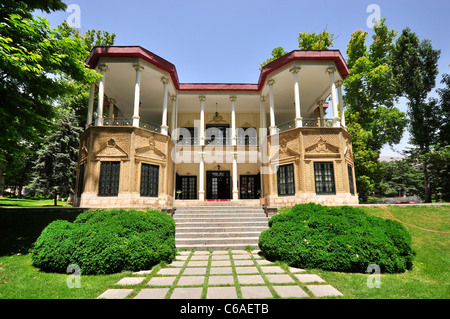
128 121
306 122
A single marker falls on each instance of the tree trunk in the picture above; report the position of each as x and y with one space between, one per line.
2 177
56 199
426 178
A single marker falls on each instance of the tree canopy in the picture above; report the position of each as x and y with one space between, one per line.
33 57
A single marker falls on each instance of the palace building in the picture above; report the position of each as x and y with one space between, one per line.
153 141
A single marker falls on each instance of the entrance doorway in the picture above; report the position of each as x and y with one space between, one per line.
218 185
250 184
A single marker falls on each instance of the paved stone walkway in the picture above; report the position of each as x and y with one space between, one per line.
220 275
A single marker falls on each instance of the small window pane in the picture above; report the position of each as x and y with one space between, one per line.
324 178
149 180
109 179
285 180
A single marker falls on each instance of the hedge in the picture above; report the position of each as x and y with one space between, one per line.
106 241
344 239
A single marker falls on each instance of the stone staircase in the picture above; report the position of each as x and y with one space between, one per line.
218 227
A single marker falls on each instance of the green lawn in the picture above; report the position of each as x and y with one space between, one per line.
23 202
430 277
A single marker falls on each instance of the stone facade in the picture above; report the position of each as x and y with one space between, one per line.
131 147
132 153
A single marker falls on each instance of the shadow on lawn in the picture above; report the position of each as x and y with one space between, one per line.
20 227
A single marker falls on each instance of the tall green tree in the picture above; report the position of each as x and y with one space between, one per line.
370 95
33 56
415 65
55 167
400 178
312 41
278 52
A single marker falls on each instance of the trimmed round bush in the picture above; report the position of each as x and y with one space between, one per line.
345 239
106 241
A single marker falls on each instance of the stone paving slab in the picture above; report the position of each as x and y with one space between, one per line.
290 292
247 270
272 269
280 279
169 271
309 278
187 293
244 262
191 281
161 281
256 292
130 281
250 278
196 263
195 271
152 293
115 294
221 293
221 270
324 290
221 280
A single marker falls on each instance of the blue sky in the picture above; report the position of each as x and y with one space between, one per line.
225 41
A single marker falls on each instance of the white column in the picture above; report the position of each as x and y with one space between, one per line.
341 102
233 120
262 119
137 94
112 102
173 98
164 127
101 94
90 105
273 128
331 71
322 114
201 187
235 178
298 116
202 99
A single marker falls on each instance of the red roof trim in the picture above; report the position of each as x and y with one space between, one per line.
141 53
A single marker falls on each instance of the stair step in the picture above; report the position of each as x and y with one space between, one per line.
218 234
220 219
205 241
216 246
221 229
221 224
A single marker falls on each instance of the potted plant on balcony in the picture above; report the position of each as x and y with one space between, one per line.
262 200
179 191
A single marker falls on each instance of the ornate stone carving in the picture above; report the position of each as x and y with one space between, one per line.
111 150
322 147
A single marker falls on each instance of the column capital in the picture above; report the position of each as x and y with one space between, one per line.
173 98
339 83
331 69
202 98
263 99
103 67
320 102
271 81
165 80
138 67
233 98
295 69
111 100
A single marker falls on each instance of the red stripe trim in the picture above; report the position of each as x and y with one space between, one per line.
141 53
